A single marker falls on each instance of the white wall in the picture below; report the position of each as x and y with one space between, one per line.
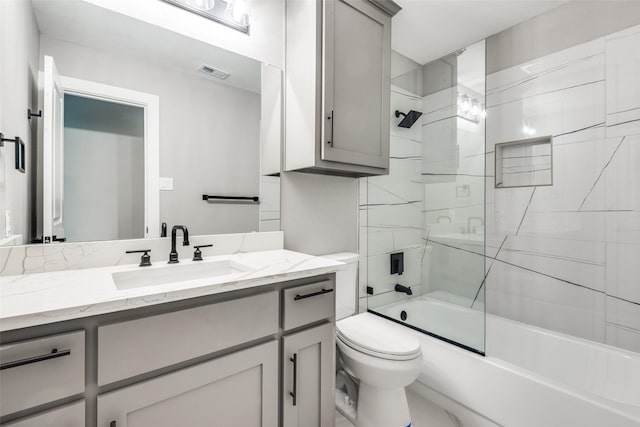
209 135
319 213
19 46
568 25
264 42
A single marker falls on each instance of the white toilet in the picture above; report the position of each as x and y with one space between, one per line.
385 359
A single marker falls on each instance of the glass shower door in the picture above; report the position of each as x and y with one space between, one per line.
427 215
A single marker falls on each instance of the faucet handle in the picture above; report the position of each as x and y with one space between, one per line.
145 259
197 254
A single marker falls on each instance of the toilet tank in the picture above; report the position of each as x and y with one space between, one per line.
346 284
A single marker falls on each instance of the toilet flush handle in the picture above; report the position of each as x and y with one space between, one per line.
294 393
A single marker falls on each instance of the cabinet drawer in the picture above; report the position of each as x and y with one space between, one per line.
162 340
66 416
308 303
33 373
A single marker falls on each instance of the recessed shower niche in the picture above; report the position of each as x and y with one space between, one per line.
524 163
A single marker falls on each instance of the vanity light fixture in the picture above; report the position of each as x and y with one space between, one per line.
232 13
470 109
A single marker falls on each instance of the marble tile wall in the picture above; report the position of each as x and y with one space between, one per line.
566 257
67 256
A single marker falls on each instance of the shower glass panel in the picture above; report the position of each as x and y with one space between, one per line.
431 206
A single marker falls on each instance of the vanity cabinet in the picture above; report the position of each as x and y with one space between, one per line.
337 89
223 359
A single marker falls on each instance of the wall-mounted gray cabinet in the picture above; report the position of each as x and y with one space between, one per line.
337 86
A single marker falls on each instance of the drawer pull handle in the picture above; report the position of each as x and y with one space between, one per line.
35 359
294 393
313 294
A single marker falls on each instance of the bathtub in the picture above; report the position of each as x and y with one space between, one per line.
530 376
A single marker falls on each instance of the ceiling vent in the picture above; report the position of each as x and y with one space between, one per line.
213 72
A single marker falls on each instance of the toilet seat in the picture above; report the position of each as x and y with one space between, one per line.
372 335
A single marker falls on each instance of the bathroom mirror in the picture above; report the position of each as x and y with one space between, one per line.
139 124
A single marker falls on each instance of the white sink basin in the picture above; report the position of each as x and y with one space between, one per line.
177 273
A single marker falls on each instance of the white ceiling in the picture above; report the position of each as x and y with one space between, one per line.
88 25
425 30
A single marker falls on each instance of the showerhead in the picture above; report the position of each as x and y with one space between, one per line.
409 118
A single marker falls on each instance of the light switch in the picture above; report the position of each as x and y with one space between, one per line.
166 183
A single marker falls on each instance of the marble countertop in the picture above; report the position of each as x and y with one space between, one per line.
35 299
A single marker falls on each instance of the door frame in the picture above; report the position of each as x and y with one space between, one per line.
151 105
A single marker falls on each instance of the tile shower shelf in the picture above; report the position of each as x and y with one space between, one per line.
524 163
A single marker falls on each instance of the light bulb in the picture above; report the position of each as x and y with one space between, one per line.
466 104
528 129
475 108
240 10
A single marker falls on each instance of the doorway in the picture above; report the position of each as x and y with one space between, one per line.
103 170
100 161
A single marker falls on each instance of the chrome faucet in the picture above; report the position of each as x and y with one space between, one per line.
173 255
473 230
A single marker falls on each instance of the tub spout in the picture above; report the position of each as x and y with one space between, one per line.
404 289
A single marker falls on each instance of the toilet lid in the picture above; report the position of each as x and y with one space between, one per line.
373 335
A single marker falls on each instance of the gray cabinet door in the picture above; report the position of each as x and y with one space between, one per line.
309 382
234 390
357 58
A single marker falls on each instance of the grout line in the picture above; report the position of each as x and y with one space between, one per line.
601 173
526 210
